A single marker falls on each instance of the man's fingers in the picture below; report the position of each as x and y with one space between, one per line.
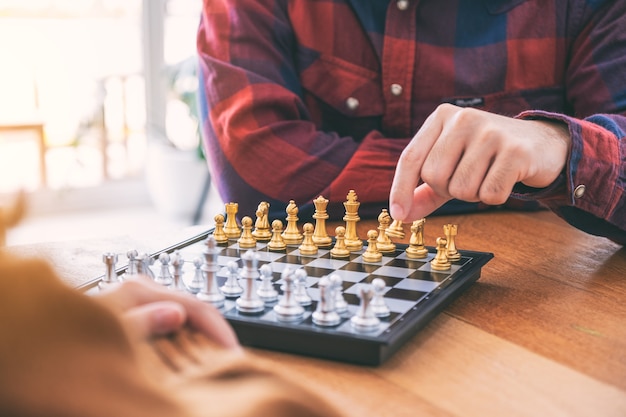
424 201
408 170
201 316
155 319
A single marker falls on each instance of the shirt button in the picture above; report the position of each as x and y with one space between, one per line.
396 89
352 103
579 191
402 4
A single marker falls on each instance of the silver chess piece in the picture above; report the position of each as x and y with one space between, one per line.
250 302
231 287
266 290
288 308
325 314
178 263
144 264
165 277
132 270
341 306
197 282
377 304
210 293
300 294
110 275
365 320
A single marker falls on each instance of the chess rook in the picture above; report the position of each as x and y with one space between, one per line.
110 276
231 229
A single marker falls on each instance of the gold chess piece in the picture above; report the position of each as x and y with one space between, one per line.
262 225
292 235
353 243
308 246
440 261
372 254
383 242
320 237
340 250
416 247
450 231
231 228
218 232
277 242
246 240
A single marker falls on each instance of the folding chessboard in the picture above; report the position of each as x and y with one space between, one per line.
415 294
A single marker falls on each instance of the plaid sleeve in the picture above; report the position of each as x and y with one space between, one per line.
263 141
592 193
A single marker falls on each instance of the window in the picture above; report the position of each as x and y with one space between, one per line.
77 67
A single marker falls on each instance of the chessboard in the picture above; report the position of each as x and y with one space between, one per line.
413 292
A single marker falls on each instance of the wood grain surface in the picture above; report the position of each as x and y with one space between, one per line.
543 331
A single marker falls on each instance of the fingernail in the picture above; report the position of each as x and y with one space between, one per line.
168 319
396 211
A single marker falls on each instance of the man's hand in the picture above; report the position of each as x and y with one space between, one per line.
473 155
149 309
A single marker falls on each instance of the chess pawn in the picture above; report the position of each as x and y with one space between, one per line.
300 294
132 270
353 242
261 230
277 243
325 314
308 246
340 250
320 237
372 254
379 308
178 263
341 306
231 229
365 320
396 229
218 232
231 287
250 302
210 293
197 282
266 290
450 231
440 261
165 277
383 242
110 276
288 309
144 265
246 241
416 248
292 235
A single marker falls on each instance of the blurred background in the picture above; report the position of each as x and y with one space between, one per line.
97 117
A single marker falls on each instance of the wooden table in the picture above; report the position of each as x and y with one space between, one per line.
542 333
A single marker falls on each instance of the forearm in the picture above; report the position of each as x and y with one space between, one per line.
590 194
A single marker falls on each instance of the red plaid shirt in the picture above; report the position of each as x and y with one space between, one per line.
307 97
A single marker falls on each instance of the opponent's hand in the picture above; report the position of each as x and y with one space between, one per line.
149 309
473 155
